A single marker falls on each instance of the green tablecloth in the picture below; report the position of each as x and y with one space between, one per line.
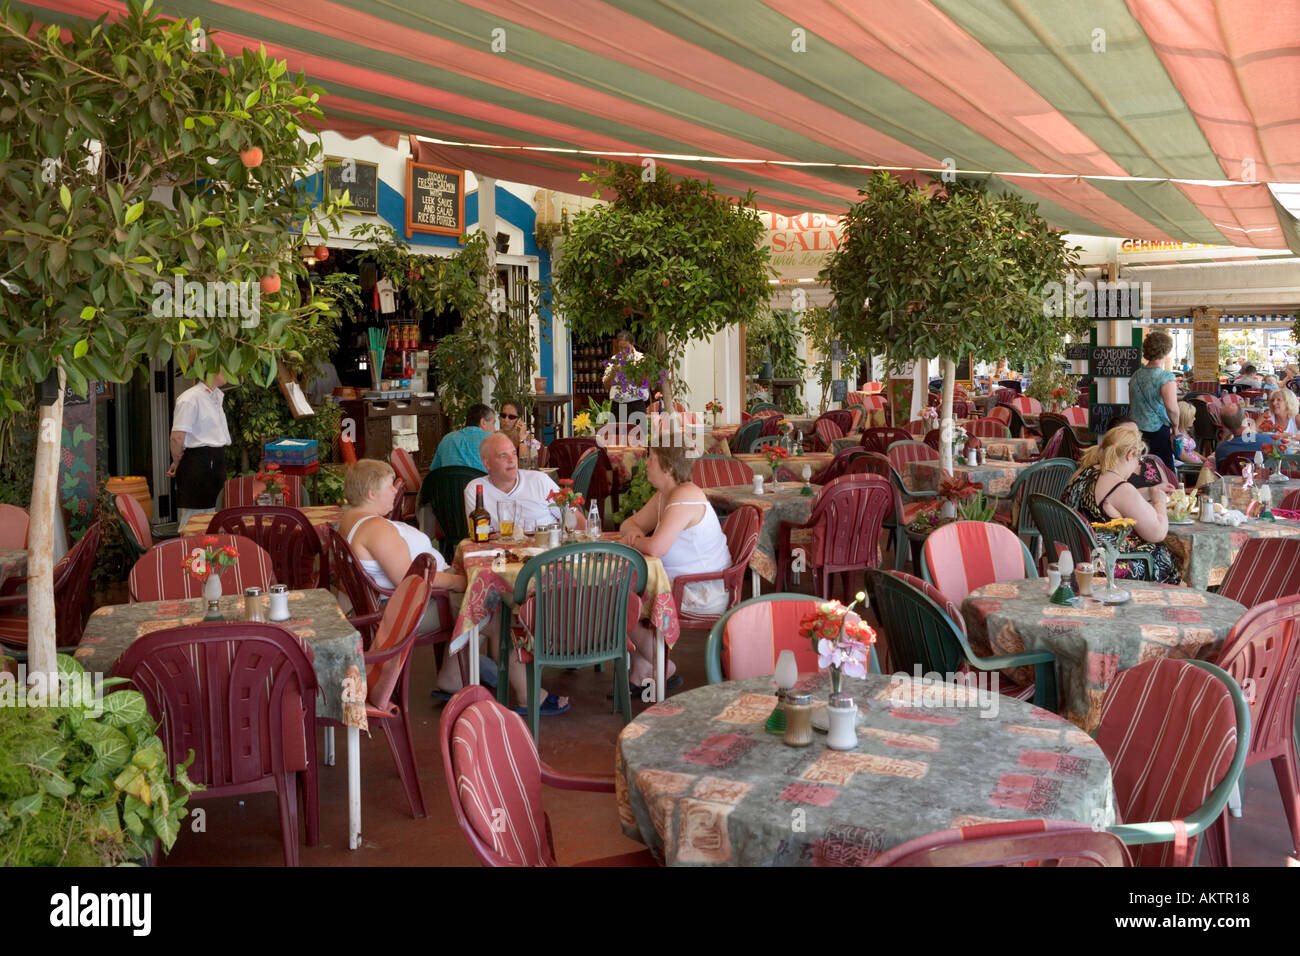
700 782
1093 642
1206 551
777 503
997 477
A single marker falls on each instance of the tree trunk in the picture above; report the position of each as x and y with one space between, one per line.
40 539
946 424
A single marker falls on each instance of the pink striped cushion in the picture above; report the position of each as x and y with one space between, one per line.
937 596
402 615
965 555
756 635
1265 569
500 785
243 492
901 453
917 426
719 473
1076 415
988 428
1001 414
129 508
158 575
1026 405
856 422
1169 732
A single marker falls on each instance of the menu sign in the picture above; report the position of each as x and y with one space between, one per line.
1077 351
1115 361
1205 347
435 199
1100 414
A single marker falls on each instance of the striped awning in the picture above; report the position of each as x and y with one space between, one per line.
1272 322
1153 119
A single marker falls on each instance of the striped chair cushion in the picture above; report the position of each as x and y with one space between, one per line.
1004 396
243 492
134 516
721 473
901 453
498 778
988 428
1169 731
858 415
756 635
937 596
965 555
1000 414
1265 569
1026 405
158 575
828 431
1075 415
404 467
402 615
917 426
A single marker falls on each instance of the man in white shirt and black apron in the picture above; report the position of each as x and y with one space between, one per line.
199 438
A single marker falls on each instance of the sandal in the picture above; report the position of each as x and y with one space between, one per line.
550 707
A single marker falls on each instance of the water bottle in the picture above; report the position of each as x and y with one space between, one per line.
593 522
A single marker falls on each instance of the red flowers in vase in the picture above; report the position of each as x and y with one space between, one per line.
565 496
274 481
212 558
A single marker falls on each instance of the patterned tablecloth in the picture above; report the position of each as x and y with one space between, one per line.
1206 551
840 444
777 503
624 458
485 589
13 564
1008 449
817 460
996 476
1081 432
1093 642
700 782
331 641
322 518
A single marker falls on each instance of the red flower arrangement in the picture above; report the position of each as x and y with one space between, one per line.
841 644
211 558
775 454
274 481
565 496
1060 393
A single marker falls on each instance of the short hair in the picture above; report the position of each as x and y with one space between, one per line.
1119 420
1292 403
363 477
486 443
1157 345
624 336
477 413
673 460
1246 370
1231 416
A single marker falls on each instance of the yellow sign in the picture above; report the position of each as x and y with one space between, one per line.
1205 347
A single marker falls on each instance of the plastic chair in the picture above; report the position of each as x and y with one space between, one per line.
847 518
494 778
748 639
13 527
1171 785
922 628
771 426
158 576
1017 423
1262 654
932 438
1050 422
591 478
287 536
242 697
135 524
563 454
1208 388
1044 477
879 438
1001 413
902 452
988 428
746 434
72 599
580 614
1062 526
741 531
1016 842
1075 415
965 555
1290 502
838 467
718 472
1026 405
1233 462
828 432
842 417
916 428
907 503
444 490
404 467
242 492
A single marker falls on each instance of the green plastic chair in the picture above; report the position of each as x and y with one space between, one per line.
921 632
1048 477
580 605
1058 523
746 434
444 490
781 638
588 482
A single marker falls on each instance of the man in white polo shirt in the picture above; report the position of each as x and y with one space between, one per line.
199 438
505 482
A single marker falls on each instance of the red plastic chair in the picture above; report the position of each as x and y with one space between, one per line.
932 438
838 466
741 532
879 439
494 778
961 408
1000 412
771 426
1026 405
1262 653
158 576
916 428
242 696
827 432
988 428
1005 396
72 599
1204 386
1233 462
1172 731
1151 467
563 454
404 467
965 555
1015 843
1290 502
720 472
135 524
286 535
842 417
902 452
13 527
243 492
847 518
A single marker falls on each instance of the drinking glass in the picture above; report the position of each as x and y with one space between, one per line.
506 519
529 526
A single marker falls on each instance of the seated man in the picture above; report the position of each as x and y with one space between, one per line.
1248 378
506 482
1244 437
462 447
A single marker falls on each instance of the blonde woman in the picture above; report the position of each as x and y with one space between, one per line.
1184 443
1100 490
1283 407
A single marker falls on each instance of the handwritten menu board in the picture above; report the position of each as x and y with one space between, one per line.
1077 352
1100 414
1205 347
1114 361
359 179
435 199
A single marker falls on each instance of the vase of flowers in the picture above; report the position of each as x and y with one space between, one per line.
959 438
841 638
776 456
274 483
714 408
1273 452
583 425
569 502
206 564
1111 535
1060 399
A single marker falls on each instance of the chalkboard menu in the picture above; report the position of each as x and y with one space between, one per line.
839 390
359 179
963 376
1099 416
435 199
1114 361
1077 352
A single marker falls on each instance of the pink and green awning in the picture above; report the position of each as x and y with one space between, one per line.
1153 120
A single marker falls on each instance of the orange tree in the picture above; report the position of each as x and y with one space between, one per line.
149 207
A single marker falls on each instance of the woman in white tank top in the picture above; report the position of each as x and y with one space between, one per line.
678 526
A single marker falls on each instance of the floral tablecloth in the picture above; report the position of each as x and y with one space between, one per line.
322 518
13 564
1206 551
485 589
777 503
996 476
332 643
1093 642
1008 449
699 780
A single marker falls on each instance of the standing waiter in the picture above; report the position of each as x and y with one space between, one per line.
198 446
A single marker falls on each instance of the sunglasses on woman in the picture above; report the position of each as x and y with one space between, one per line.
505 417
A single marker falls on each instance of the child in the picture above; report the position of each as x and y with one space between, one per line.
1184 443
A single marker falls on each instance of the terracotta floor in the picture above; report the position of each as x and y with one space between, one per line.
585 825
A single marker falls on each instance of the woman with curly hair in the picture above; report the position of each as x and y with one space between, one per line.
1153 397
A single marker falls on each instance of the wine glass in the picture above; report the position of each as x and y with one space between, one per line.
529 526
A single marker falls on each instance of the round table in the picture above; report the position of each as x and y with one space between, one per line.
1205 551
1093 642
700 781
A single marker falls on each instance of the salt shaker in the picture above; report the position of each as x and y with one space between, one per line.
280 602
843 716
253 605
758 484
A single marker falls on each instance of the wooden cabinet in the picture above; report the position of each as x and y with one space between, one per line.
373 421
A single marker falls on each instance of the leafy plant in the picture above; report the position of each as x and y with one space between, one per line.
638 493
80 787
976 508
776 335
820 328
1050 377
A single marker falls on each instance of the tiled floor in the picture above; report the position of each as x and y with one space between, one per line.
585 825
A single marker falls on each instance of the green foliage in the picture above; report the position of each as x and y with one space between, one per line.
775 335
1047 378
671 260
976 508
17 437
79 787
638 493
819 326
114 559
258 415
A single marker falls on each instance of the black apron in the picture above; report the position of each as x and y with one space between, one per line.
200 476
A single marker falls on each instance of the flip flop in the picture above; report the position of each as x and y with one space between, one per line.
550 707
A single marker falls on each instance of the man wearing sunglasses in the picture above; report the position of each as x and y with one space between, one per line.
461 446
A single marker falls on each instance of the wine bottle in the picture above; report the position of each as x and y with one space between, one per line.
480 522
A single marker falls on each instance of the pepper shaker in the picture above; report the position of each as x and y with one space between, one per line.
253 605
798 720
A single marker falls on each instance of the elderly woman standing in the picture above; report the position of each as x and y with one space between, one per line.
1153 397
